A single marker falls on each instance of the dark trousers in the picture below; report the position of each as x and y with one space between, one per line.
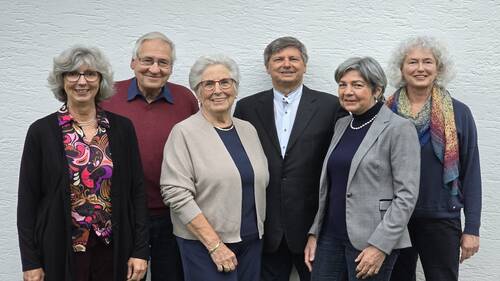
437 241
277 266
165 263
96 263
198 265
334 261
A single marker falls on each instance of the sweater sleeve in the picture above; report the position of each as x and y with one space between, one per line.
141 241
177 181
470 172
29 197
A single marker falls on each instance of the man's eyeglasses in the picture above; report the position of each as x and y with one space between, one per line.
209 85
89 75
149 61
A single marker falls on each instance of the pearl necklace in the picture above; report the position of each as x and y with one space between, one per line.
225 129
362 125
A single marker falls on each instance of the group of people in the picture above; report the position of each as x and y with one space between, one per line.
341 188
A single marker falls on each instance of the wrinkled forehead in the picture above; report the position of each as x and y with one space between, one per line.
155 47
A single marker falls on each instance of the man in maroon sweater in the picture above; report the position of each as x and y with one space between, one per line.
154 106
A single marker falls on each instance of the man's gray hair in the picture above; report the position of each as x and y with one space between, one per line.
152 36
282 43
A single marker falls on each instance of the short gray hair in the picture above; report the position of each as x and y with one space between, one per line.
205 61
445 71
282 43
368 68
72 59
152 36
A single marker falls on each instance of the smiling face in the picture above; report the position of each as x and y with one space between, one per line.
81 92
355 95
287 69
419 69
151 78
216 101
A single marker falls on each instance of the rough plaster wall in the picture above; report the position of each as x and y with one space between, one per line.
33 32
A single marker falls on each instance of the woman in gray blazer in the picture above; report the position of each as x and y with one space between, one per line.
214 178
369 182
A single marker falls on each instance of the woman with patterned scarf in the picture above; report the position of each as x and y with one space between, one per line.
450 176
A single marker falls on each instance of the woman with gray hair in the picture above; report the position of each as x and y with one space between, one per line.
214 176
368 186
450 177
81 211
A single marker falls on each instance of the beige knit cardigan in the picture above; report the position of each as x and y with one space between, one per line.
199 176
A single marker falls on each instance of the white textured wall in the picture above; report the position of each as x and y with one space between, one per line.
33 32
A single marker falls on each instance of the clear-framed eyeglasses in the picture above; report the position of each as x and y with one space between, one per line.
209 85
89 75
149 61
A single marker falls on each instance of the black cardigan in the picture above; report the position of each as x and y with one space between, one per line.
44 208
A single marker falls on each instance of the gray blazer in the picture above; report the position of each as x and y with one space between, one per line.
383 183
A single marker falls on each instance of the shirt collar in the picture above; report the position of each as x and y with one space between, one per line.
291 98
133 92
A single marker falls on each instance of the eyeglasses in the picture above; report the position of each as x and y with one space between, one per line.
89 75
209 85
149 61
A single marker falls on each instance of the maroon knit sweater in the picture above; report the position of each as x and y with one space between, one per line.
152 123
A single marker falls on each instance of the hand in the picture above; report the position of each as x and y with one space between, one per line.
136 269
34 275
470 245
369 262
224 258
310 251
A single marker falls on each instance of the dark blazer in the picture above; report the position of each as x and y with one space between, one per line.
292 194
44 208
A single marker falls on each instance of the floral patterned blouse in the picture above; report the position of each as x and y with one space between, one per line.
90 170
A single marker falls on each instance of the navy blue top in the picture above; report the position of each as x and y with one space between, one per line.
434 201
235 148
338 167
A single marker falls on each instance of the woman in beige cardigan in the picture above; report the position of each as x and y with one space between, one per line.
214 176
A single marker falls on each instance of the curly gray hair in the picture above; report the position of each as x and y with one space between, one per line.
445 71
70 60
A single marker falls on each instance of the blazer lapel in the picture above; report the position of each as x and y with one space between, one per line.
265 111
371 136
305 112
